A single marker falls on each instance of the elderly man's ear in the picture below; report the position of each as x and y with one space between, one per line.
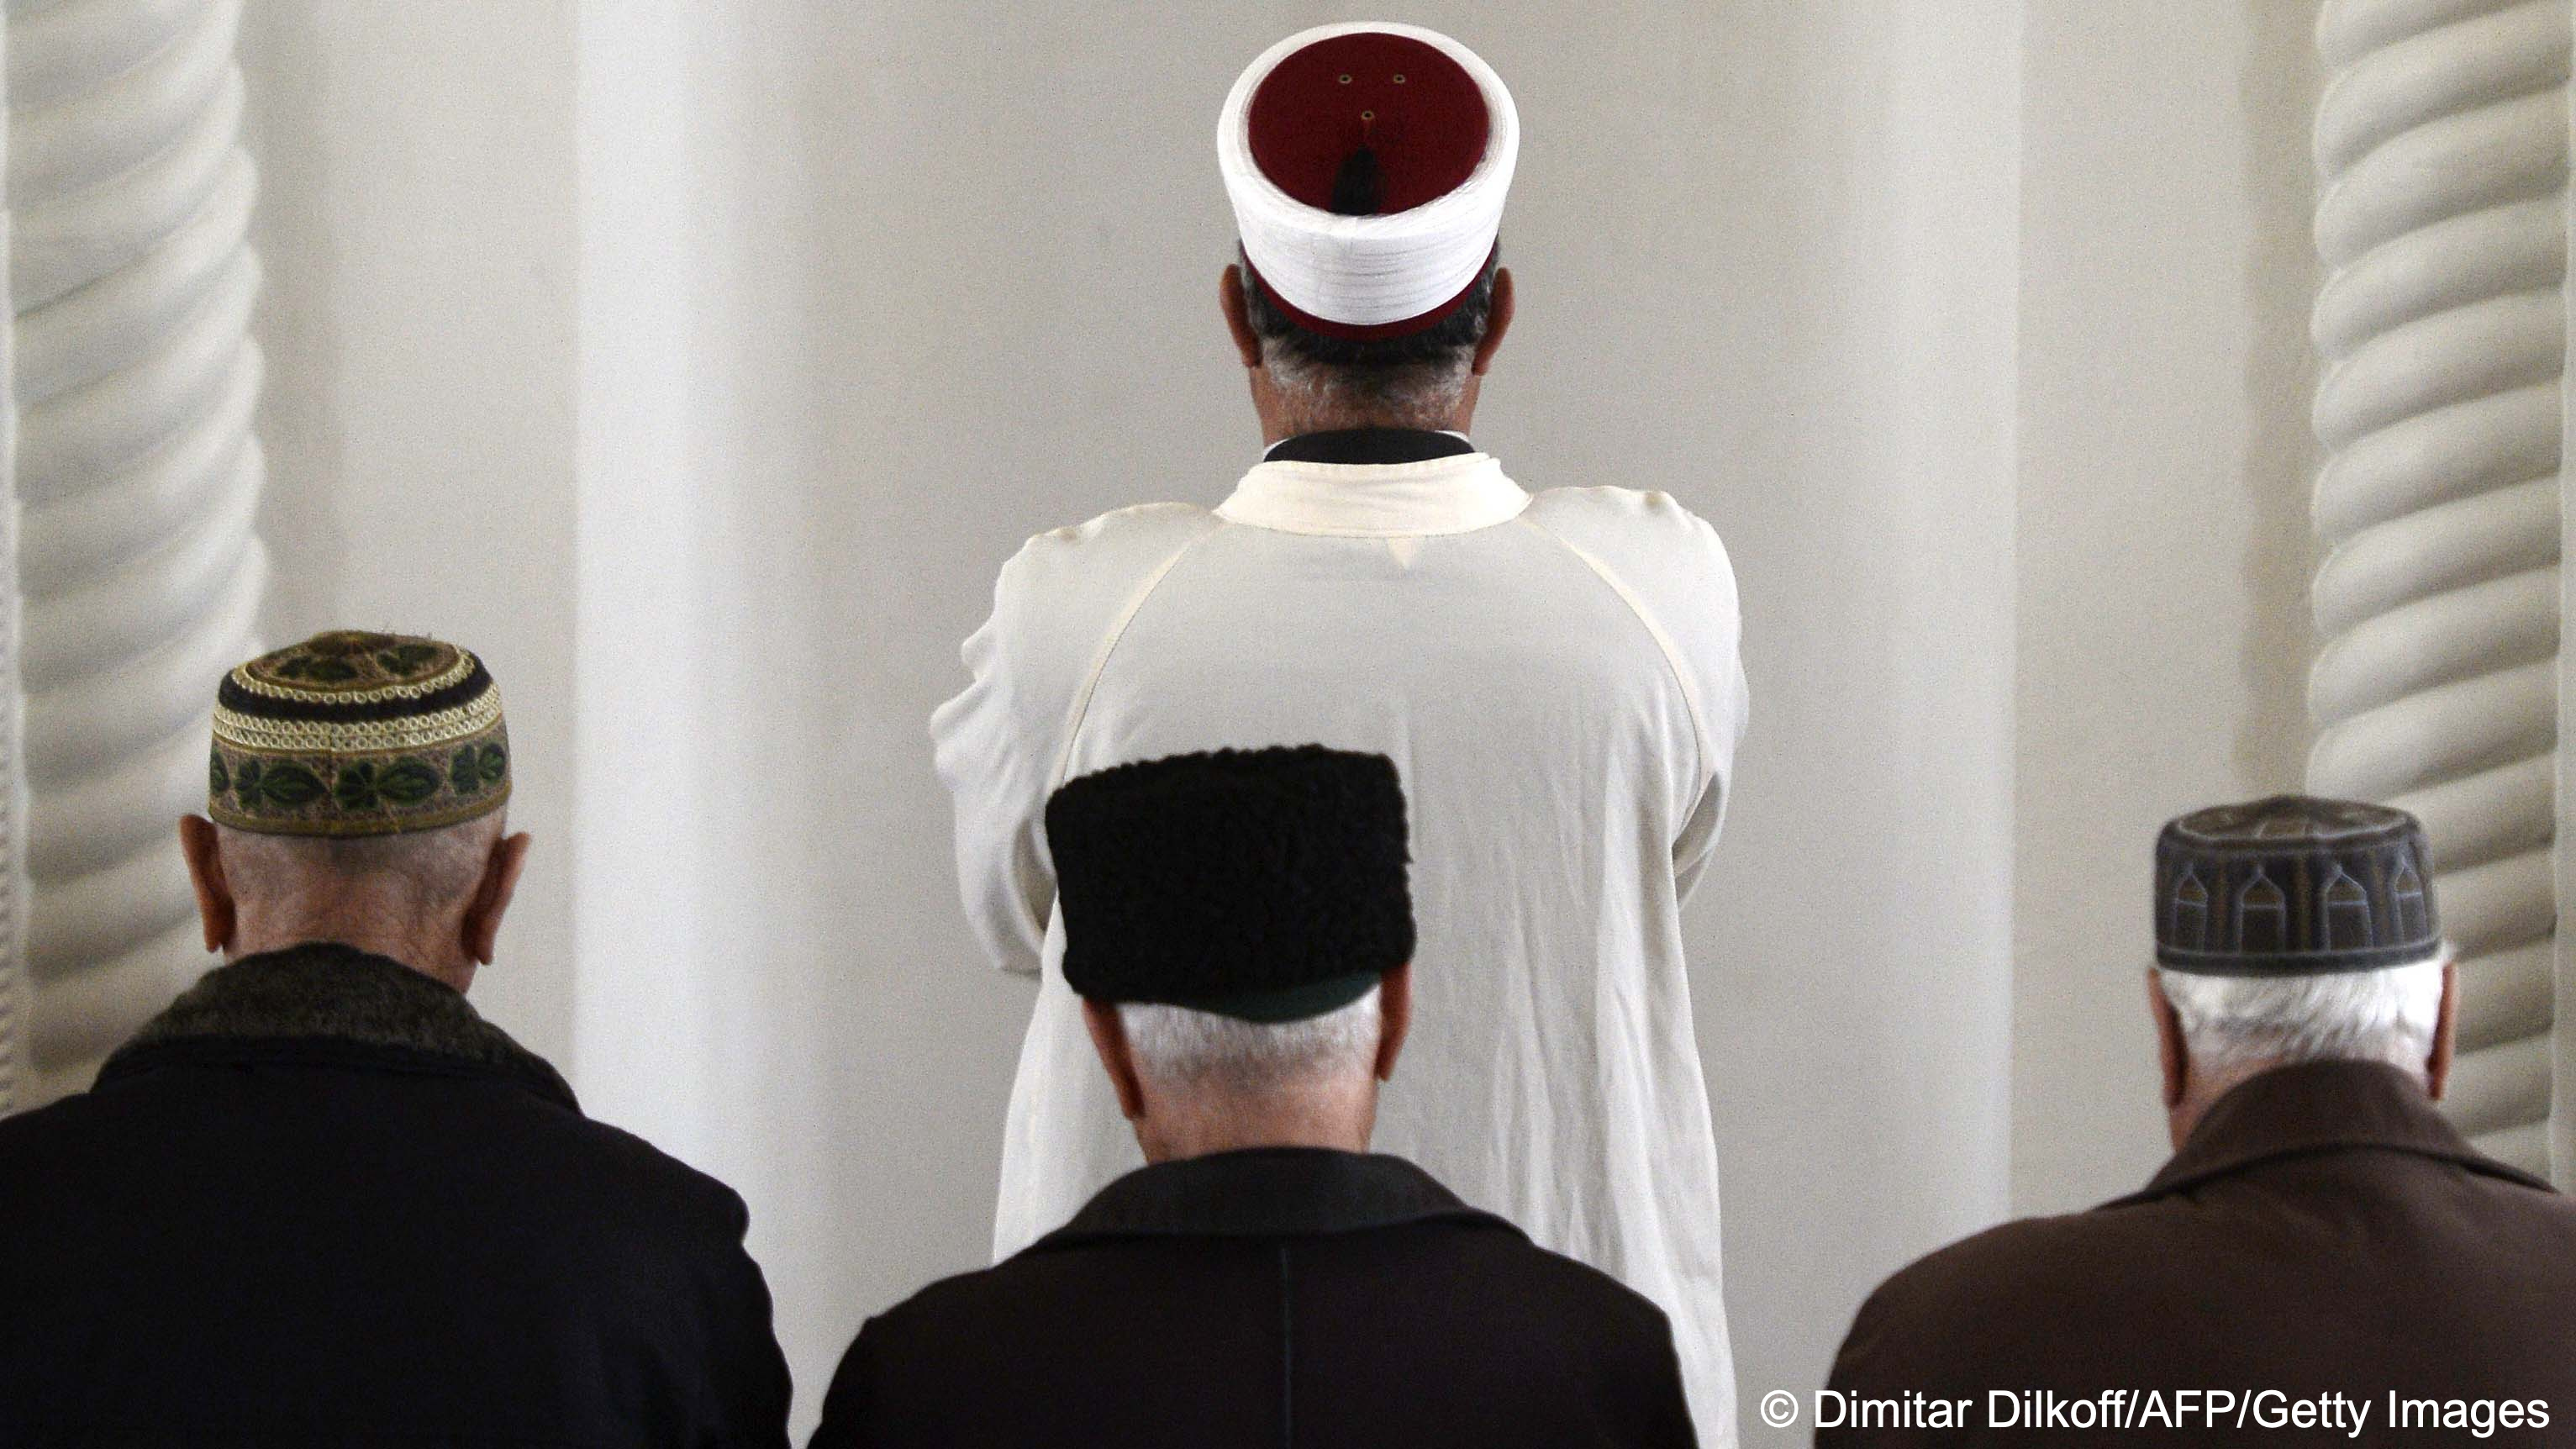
200 845
1109 1038
2173 1053
1395 1017
2437 1066
482 929
1238 316
1498 320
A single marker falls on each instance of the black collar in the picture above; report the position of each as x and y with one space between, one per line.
1367 445
2316 1107
326 1004
1265 1192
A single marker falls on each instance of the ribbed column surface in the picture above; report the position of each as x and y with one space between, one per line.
2442 153
13 802
131 286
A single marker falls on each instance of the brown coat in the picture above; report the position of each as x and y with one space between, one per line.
2325 1231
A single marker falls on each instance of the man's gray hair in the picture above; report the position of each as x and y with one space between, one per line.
1426 391
1206 1050
2388 1015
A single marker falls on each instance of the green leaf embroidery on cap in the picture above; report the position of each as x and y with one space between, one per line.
318 670
404 659
219 781
407 782
354 788
284 784
477 766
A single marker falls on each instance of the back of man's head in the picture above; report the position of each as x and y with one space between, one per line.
2292 930
1197 1082
356 794
405 896
1207 1082
1239 926
1417 380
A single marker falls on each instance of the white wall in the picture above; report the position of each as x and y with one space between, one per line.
2164 547
1845 395
416 217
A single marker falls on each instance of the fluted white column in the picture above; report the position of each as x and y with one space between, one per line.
2442 149
13 783
2562 1097
137 476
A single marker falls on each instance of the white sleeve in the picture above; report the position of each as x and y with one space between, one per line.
1725 700
1670 565
1057 609
996 774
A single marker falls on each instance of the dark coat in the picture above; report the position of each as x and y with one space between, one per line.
1285 1296
320 1201
2324 1231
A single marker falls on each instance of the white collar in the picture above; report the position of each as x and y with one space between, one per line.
1456 494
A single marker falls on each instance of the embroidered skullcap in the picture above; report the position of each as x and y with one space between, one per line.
1267 884
2294 886
351 733
1367 166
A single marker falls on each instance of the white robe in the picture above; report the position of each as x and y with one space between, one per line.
1557 680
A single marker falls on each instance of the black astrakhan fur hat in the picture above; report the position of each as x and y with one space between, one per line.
1262 884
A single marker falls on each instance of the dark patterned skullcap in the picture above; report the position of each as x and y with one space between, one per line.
1267 885
351 733
2294 886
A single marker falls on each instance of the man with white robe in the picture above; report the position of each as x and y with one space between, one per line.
1556 677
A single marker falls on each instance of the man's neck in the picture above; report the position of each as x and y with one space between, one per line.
257 938
2202 1091
1343 1121
1284 420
